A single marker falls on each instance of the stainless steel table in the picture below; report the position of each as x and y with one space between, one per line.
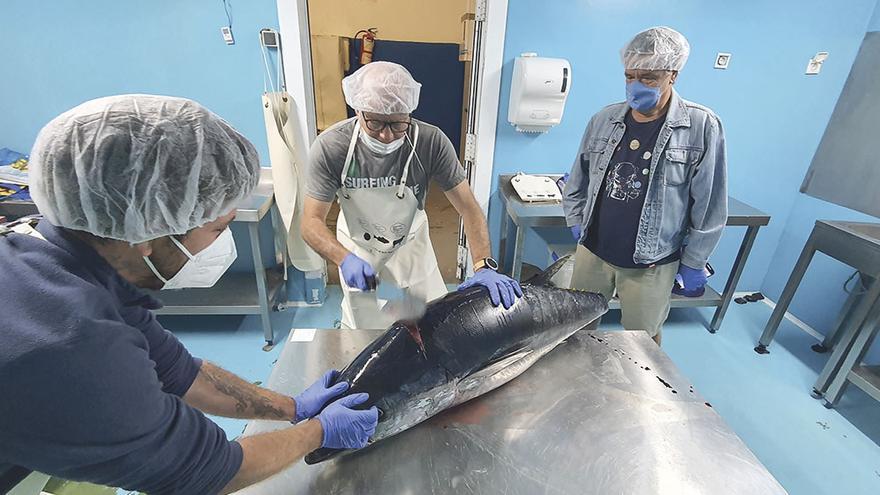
604 413
520 216
856 244
242 293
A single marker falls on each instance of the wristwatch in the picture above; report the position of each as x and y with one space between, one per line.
489 263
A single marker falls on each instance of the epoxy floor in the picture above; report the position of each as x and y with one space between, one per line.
765 399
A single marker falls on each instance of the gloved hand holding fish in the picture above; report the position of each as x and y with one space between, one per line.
462 347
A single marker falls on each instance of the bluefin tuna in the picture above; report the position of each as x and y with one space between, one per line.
461 348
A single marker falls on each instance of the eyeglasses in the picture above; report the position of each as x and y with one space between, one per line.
376 125
648 78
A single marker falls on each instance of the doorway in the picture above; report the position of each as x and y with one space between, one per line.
426 37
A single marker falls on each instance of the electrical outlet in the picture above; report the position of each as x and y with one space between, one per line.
722 60
226 31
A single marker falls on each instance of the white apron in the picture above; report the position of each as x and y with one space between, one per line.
385 227
288 178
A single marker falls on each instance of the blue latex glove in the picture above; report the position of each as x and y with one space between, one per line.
312 399
693 281
357 272
576 232
347 428
502 289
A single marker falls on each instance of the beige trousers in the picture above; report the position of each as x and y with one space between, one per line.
644 292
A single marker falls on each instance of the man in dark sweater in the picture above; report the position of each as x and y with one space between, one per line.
138 192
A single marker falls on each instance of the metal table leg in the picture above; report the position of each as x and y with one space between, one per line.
856 354
516 269
849 333
730 287
834 336
800 268
262 285
502 241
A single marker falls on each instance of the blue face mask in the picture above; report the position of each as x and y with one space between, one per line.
640 97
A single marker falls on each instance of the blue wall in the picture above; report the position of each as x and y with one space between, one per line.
874 23
57 56
54 58
820 294
773 114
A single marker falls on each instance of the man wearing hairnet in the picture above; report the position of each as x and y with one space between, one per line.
137 192
647 195
378 166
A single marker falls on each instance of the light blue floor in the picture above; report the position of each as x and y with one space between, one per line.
765 399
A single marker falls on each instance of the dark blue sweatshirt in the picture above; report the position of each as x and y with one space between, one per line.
90 382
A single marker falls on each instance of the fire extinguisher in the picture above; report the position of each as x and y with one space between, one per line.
368 40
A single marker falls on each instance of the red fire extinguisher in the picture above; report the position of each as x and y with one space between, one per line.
368 40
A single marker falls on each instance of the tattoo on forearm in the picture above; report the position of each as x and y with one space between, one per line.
246 399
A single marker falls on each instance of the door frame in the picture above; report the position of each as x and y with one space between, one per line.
293 19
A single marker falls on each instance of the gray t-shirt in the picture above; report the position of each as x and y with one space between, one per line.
368 169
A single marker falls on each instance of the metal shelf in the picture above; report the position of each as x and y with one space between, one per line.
710 298
234 294
866 378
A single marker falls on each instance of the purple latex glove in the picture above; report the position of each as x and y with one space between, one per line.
576 232
502 289
357 272
345 427
312 399
692 281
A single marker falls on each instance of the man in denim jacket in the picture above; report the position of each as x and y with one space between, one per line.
647 195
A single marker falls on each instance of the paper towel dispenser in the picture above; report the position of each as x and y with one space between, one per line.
538 92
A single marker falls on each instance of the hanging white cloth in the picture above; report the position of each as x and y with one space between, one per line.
287 156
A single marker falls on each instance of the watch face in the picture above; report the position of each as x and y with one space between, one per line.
491 263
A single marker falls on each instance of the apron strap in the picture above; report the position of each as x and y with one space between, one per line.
349 156
402 182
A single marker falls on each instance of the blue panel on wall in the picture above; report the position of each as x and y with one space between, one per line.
56 56
437 68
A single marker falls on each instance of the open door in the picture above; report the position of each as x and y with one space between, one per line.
478 40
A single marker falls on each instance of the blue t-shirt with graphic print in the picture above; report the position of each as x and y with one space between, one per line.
611 234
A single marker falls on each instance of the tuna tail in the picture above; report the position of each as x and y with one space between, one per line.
546 277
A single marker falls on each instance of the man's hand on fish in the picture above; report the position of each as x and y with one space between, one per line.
312 399
502 289
345 427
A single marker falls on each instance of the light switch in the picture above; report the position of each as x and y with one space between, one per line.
815 63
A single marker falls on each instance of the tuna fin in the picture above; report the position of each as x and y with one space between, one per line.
492 368
545 277
322 455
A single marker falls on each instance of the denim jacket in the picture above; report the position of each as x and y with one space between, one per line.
686 201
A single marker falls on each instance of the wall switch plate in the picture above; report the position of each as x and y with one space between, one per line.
722 60
815 63
226 31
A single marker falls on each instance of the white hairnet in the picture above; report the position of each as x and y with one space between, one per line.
382 87
656 48
139 167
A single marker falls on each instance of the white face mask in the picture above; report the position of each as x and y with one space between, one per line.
204 268
378 146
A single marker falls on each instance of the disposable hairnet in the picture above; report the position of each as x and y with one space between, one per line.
139 167
656 48
382 87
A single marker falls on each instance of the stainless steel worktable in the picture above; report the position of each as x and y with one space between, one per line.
238 293
856 244
520 216
604 413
